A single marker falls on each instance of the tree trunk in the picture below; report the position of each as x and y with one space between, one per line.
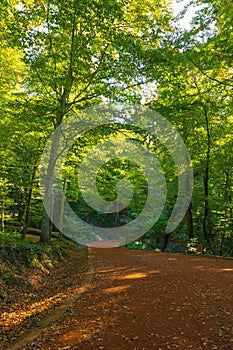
28 200
207 229
2 200
62 208
37 232
189 216
166 240
48 192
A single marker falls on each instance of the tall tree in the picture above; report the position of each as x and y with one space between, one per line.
195 93
79 51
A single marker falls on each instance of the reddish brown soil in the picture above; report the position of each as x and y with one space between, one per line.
147 300
36 292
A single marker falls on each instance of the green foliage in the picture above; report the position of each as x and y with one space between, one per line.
59 57
142 245
17 252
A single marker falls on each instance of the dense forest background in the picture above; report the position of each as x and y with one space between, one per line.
60 57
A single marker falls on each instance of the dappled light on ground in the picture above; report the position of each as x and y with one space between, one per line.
116 289
27 302
10 319
134 275
147 300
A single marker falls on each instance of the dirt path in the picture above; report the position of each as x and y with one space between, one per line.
146 300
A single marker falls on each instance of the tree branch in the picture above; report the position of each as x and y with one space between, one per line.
41 80
52 50
207 75
93 75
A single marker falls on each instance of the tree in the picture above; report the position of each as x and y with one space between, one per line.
195 94
79 52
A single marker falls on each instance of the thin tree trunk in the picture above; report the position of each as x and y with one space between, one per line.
189 216
28 201
2 201
207 229
166 240
48 192
62 208
221 244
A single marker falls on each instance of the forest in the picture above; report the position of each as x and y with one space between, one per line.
59 59
116 132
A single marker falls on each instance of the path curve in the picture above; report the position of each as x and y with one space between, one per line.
142 300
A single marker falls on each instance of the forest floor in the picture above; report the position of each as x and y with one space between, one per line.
135 300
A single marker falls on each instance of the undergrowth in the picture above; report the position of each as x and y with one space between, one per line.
16 253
